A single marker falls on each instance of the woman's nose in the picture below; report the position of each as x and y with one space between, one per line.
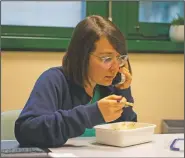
114 66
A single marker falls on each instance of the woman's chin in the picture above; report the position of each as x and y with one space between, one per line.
106 83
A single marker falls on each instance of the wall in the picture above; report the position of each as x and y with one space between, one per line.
158 82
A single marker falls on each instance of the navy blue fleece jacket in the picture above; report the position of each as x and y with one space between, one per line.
58 110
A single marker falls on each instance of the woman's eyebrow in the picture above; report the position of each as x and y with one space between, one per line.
109 53
105 53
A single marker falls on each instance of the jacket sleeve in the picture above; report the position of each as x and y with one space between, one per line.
41 123
128 112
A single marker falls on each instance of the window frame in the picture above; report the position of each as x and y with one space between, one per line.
57 38
146 31
148 41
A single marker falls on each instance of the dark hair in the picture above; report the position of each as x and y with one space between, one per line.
84 37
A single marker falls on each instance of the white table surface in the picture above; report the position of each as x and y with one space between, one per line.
87 147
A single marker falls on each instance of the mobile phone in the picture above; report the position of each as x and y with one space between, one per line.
119 79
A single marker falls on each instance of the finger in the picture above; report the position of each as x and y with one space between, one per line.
122 69
121 104
128 77
114 97
127 73
125 69
128 81
114 110
125 85
115 104
122 101
116 114
126 65
119 112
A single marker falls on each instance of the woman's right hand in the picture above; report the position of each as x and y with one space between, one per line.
111 107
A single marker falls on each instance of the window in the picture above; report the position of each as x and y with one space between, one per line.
147 29
39 24
160 12
151 19
48 13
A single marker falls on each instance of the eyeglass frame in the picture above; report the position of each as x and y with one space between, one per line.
101 58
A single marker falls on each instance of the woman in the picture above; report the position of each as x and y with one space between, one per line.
67 101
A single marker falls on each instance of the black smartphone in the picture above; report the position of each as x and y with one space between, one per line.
117 79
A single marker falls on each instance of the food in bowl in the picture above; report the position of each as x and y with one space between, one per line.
123 126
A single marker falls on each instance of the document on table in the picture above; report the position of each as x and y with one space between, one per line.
51 154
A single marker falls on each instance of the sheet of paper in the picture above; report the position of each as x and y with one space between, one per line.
51 154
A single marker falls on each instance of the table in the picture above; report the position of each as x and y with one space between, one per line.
87 147
11 145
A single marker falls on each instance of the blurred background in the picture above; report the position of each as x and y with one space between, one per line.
35 36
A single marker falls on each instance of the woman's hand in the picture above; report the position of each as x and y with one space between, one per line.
111 107
128 78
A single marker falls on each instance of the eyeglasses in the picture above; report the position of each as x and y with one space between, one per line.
108 61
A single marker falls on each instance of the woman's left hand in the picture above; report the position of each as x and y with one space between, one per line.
128 78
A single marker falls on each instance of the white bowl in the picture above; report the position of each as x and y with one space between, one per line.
124 133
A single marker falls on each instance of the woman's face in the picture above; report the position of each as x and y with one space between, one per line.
99 72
